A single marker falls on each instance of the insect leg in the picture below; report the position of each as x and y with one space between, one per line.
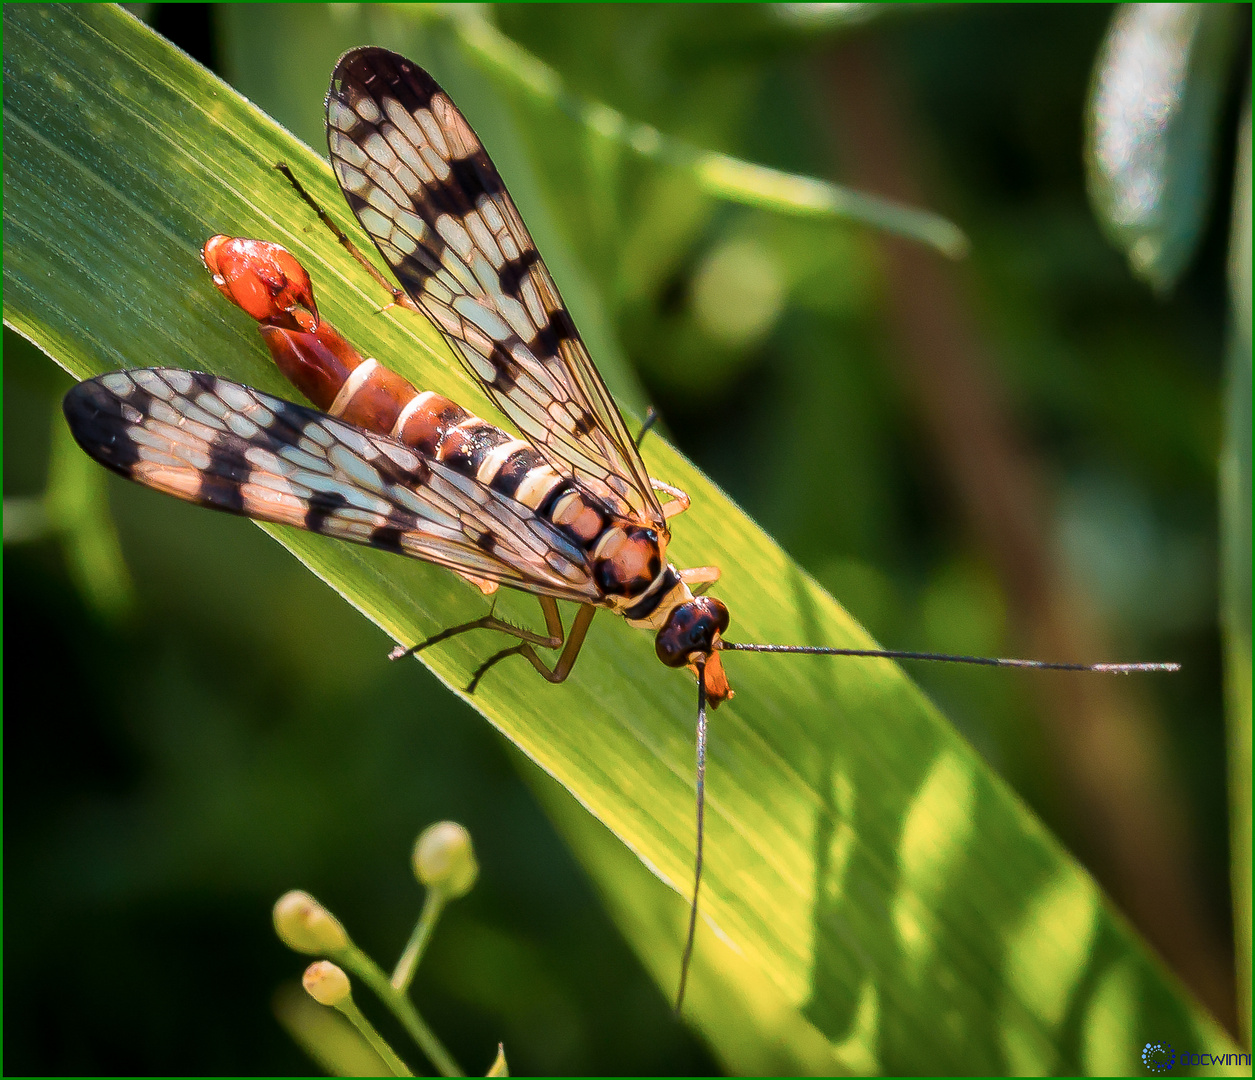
399 297
701 576
579 628
677 504
552 639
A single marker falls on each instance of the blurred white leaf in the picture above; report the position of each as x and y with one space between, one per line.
1151 130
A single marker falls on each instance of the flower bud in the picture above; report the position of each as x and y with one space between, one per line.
326 983
443 859
303 924
499 1066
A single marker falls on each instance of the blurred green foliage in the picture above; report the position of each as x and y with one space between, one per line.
1235 562
236 733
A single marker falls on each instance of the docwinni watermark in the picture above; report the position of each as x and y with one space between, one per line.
1159 1057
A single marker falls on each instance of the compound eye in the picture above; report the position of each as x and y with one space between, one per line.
668 650
691 629
673 646
717 610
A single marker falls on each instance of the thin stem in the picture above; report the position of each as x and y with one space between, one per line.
433 905
986 661
348 1008
373 976
701 814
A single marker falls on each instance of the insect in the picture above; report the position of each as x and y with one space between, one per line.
565 509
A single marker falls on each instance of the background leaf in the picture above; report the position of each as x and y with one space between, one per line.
866 865
1153 125
1235 610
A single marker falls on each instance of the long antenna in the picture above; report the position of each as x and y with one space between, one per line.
987 661
701 813
822 650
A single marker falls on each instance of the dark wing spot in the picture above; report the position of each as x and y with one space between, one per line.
322 505
511 274
485 541
412 270
506 370
560 328
411 85
388 538
402 475
289 423
220 484
374 72
99 423
475 176
584 423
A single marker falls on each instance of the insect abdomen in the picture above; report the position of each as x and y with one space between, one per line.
380 400
268 283
338 380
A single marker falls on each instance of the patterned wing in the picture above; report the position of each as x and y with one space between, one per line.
224 445
420 183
